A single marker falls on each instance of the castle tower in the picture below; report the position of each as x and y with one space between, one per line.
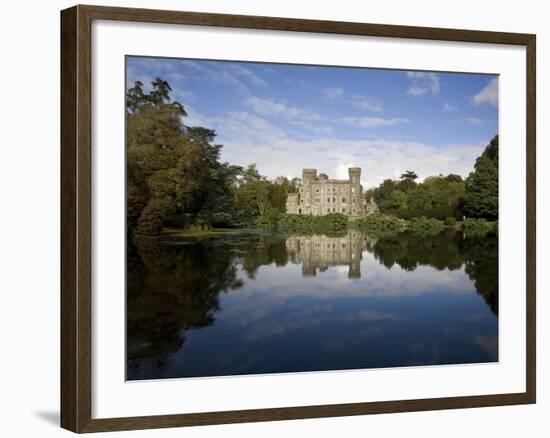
354 176
309 176
355 189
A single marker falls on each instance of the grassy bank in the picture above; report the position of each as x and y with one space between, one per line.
375 224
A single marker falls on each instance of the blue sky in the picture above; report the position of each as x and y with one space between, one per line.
288 117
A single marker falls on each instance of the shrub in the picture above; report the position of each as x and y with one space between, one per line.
329 224
477 227
152 218
450 221
379 224
424 225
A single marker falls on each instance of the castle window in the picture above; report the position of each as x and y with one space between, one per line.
334 210
316 190
300 212
328 210
353 190
343 210
353 200
328 199
333 199
354 210
344 200
302 201
317 200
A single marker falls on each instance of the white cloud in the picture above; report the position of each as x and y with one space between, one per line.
271 108
247 74
333 92
447 107
422 82
489 94
366 103
341 170
249 138
175 76
474 121
372 122
359 101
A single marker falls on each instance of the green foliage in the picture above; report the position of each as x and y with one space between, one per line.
379 224
450 221
481 197
329 224
438 197
424 225
477 227
151 219
279 194
175 176
253 193
409 174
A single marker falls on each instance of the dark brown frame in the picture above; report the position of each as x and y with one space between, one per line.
76 236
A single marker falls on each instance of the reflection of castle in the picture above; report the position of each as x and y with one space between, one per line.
320 252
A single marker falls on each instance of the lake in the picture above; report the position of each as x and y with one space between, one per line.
251 302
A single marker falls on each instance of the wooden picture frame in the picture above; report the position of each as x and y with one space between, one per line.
76 217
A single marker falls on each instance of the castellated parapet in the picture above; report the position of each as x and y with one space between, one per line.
318 195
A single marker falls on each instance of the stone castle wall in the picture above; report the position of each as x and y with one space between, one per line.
319 195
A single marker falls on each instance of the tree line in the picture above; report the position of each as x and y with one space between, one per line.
175 177
443 197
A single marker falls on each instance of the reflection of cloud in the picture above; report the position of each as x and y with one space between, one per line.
489 344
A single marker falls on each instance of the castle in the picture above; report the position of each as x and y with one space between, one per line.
318 195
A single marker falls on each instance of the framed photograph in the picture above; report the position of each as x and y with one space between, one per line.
270 218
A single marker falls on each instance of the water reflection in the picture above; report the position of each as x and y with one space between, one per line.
255 303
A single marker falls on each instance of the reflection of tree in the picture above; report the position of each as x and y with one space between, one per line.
262 250
171 289
446 250
409 250
481 256
174 287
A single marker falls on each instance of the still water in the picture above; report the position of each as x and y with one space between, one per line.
250 302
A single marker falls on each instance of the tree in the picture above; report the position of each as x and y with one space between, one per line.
279 195
253 196
135 97
409 174
175 177
481 189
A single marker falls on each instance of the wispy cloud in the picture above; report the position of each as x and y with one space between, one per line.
272 107
278 152
423 82
333 92
488 94
447 107
372 122
247 74
359 101
366 103
475 121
